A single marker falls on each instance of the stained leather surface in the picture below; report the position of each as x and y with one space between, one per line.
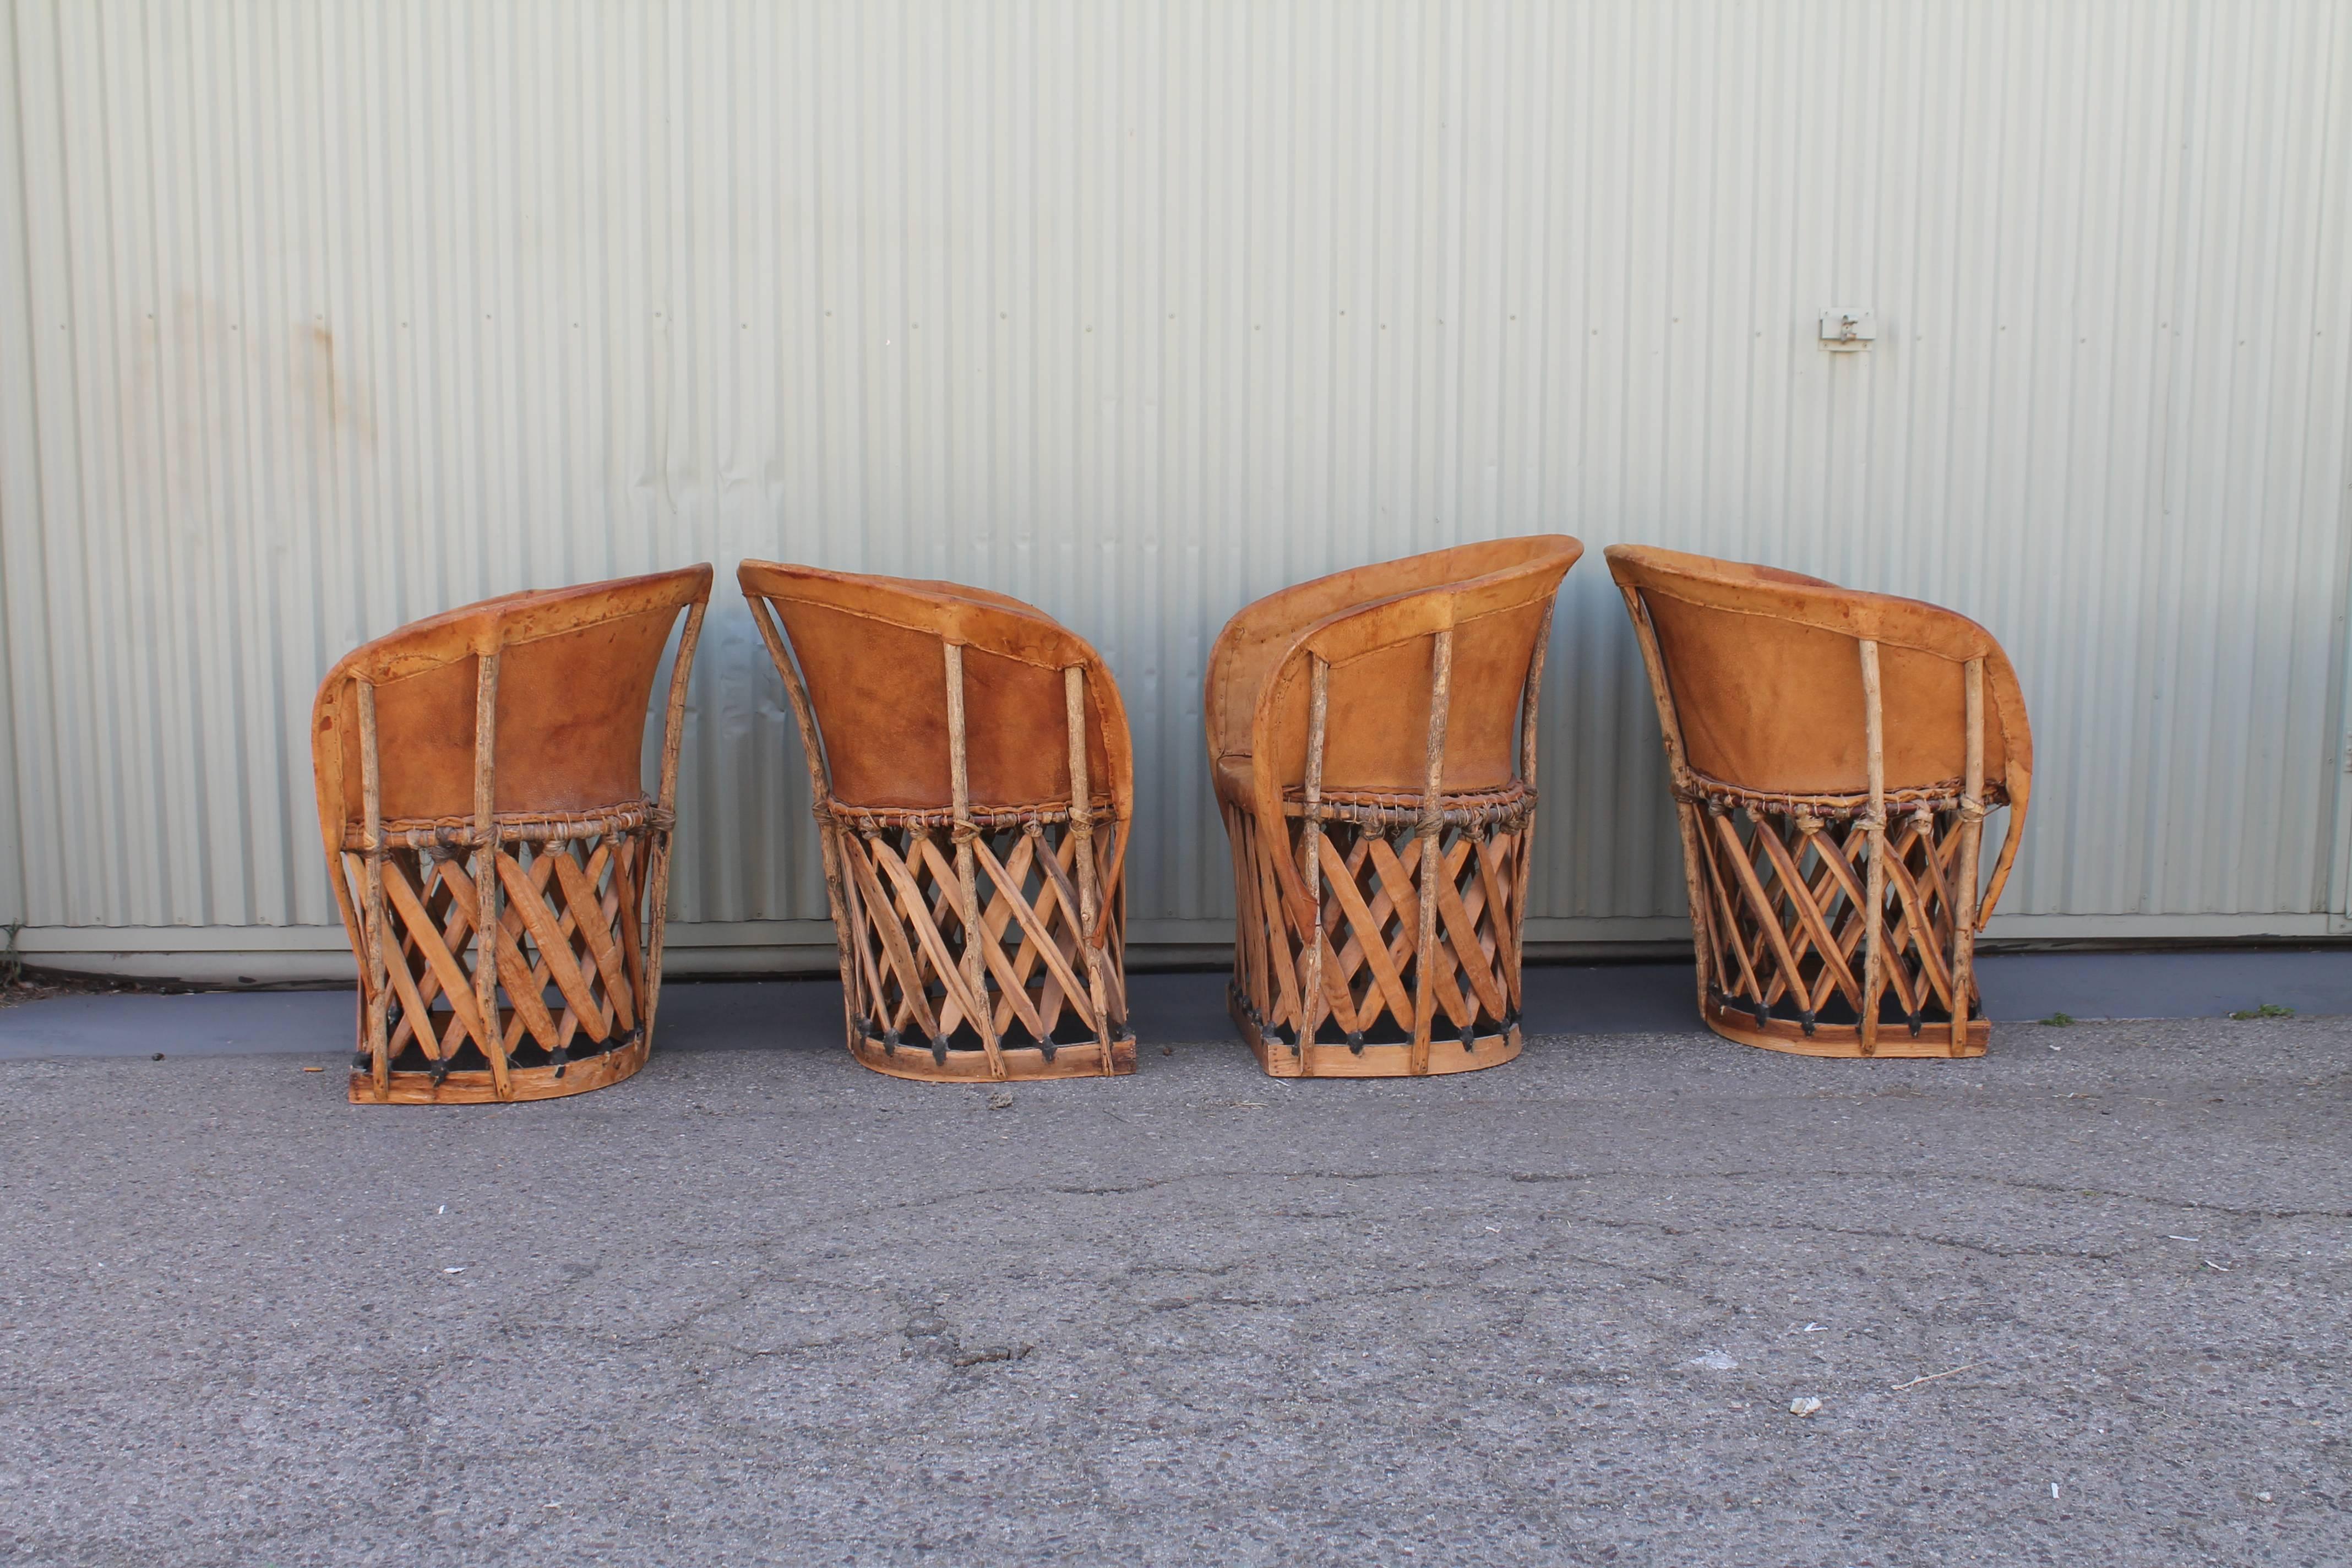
1767 677
575 679
1376 625
871 650
1259 633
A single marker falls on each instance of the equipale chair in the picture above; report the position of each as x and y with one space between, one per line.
974 788
1863 738
483 770
1363 730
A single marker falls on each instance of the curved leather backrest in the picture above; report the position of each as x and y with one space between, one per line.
872 652
1261 633
576 669
1382 679
1764 669
1376 733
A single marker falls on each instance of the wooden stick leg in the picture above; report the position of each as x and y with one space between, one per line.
379 989
1875 895
1702 940
485 871
1964 922
1082 826
1425 998
836 900
975 976
1310 991
839 892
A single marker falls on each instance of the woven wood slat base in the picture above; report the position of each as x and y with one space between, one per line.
1371 884
569 965
1785 895
912 1007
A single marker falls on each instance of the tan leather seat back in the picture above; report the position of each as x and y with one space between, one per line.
1765 673
872 652
1262 633
1382 679
576 668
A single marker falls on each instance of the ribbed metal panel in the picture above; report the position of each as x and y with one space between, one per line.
316 318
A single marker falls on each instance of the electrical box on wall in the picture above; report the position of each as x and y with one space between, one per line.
1848 332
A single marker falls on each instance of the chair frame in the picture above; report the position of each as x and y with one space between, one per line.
874 858
1755 922
1466 950
388 875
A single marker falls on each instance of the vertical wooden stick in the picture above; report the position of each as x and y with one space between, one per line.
1873 960
1964 924
1310 836
836 898
975 978
1696 867
1424 995
1696 864
486 869
1082 823
379 1006
1530 711
672 742
836 891
1531 698
1251 979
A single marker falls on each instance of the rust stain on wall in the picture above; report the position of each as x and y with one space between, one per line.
320 378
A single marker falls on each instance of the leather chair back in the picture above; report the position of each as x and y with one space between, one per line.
576 669
1265 633
872 651
1768 688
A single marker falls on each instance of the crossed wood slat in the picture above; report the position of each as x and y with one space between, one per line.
1788 902
569 923
902 881
1370 926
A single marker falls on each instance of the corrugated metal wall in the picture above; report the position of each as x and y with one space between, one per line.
315 318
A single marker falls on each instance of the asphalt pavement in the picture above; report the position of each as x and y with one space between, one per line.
1580 998
2084 1301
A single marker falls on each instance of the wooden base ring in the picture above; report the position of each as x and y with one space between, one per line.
1336 1058
1023 1064
477 1087
1934 1039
